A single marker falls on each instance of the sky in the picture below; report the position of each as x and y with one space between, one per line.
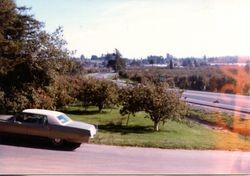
138 28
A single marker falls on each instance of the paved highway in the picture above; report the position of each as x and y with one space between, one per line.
101 159
238 103
229 99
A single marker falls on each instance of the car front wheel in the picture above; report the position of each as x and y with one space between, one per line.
57 142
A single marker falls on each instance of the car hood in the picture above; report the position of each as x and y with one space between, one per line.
82 125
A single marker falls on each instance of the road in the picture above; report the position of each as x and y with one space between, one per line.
103 75
229 99
101 159
238 103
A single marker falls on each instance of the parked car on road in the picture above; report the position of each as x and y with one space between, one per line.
56 126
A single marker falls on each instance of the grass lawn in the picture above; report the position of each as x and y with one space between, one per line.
112 130
232 121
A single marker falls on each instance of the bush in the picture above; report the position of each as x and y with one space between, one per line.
158 102
97 92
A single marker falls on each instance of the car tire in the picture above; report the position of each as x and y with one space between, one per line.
57 142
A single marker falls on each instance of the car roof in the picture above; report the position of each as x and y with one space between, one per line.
43 112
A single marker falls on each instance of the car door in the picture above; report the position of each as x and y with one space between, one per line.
36 125
14 125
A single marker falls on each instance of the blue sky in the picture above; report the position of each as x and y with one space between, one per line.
149 27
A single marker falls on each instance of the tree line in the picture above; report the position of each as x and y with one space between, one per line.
158 102
223 79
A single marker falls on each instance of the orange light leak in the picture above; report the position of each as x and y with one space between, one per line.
240 86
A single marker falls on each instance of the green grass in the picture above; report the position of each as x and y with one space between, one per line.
214 118
112 130
231 121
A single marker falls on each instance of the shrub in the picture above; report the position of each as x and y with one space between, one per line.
158 102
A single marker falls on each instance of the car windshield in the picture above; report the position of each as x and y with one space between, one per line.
63 118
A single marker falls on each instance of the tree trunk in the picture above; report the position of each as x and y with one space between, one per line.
156 126
100 107
127 120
